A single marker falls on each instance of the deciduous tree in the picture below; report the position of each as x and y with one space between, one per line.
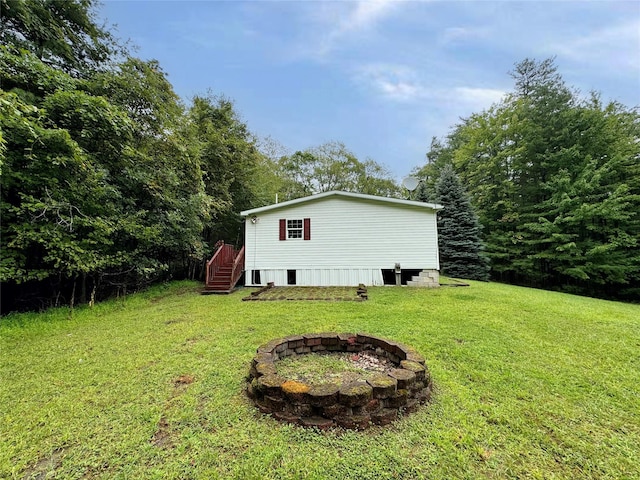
332 166
62 34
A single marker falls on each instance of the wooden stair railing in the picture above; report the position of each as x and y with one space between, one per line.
224 269
238 267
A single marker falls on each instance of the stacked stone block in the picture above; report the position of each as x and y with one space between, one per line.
426 278
356 405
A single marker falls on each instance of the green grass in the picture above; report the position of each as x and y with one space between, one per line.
529 384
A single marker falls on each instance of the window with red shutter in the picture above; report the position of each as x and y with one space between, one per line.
295 229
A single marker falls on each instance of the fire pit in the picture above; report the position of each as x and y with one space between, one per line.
396 381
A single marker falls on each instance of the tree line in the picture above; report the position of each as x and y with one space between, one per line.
555 181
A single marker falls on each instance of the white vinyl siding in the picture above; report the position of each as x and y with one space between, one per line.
351 239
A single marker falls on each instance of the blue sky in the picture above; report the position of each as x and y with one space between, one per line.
383 77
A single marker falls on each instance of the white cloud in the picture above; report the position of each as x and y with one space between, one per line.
459 34
477 97
336 21
366 14
403 84
616 45
399 90
395 82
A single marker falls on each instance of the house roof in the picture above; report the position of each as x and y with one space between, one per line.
336 193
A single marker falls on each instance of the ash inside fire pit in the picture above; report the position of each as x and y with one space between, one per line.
329 379
333 367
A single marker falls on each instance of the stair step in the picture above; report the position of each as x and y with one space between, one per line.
218 287
422 284
430 274
424 279
208 291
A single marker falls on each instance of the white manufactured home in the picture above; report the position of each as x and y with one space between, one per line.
341 238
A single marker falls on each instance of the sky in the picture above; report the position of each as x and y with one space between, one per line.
383 77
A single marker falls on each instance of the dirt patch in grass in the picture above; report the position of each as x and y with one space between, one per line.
162 437
183 380
45 465
335 294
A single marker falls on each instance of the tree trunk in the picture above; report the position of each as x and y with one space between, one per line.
73 293
83 289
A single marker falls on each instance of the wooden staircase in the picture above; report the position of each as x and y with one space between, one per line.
224 269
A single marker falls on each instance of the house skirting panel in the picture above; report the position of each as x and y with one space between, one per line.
321 277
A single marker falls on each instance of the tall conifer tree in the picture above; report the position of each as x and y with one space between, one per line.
459 231
423 193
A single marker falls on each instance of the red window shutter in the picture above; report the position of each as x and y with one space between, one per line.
307 229
283 229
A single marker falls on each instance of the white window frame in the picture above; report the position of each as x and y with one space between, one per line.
295 229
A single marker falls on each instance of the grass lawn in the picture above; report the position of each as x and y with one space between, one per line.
529 384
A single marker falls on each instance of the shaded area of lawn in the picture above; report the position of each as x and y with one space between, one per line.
529 384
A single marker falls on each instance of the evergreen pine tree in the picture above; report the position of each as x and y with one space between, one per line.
422 193
459 231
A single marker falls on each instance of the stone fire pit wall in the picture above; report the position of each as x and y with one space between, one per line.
356 405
